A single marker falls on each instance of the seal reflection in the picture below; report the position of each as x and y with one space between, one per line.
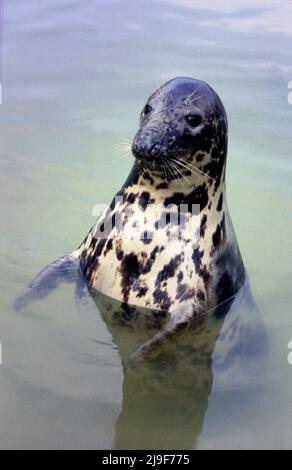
165 396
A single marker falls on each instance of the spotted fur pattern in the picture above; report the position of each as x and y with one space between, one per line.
186 264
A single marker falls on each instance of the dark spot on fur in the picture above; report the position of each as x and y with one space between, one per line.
161 298
144 200
90 262
203 226
119 253
130 271
176 199
220 202
131 198
200 294
142 291
168 270
148 177
99 247
219 235
197 258
215 167
216 237
199 196
151 259
180 276
206 276
163 185
109 246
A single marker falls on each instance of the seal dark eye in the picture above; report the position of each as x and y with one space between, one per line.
147 109
194 120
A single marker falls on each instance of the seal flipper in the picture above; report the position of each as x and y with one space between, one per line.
65 269
152 347
179 322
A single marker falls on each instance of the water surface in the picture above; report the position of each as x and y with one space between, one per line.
75 76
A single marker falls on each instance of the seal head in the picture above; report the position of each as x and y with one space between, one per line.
183 126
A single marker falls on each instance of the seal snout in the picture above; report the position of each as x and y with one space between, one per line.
146 146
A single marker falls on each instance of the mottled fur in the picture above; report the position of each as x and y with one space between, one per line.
189 266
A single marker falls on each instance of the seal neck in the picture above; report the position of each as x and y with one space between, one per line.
184 188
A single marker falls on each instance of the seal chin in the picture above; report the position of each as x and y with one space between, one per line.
154 166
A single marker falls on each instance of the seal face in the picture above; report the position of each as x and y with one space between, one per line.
166 241
183 122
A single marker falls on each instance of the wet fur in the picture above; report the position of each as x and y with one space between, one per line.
193 273
180 277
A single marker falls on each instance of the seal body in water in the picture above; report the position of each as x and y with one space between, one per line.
161 255
166 242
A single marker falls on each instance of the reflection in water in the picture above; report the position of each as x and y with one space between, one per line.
68 99
166 392
165 397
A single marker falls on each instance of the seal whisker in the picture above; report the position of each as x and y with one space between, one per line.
192 170
158 84
120 157
122 148
123 140
122 145
178 177
195 99
181 173
200 171
166 171
174 176
188 98
119 150
120 154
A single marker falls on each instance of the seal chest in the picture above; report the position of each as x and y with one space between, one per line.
166 241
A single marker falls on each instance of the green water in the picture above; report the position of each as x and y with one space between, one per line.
75 76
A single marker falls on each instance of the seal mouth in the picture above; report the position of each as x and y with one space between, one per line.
147 162
151 159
